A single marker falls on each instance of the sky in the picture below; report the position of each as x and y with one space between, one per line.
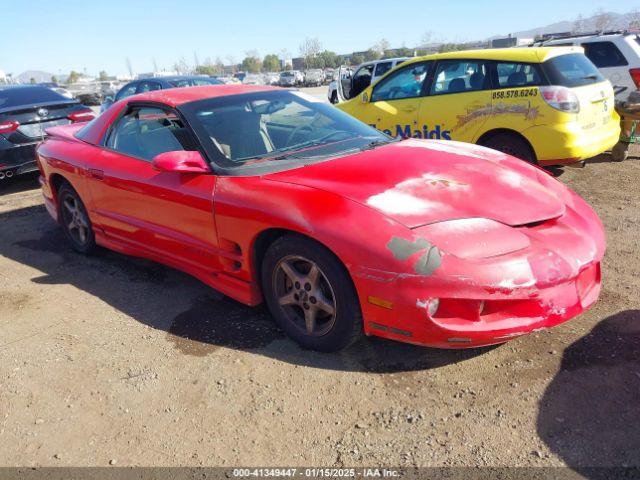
93 35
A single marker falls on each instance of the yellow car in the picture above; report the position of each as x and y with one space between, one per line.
546 105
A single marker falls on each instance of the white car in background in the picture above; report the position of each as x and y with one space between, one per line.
287 79
313 77
366 74
254 79
616 54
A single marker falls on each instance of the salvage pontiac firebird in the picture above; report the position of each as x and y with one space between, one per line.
265 193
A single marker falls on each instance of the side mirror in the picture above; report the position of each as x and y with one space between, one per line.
180 161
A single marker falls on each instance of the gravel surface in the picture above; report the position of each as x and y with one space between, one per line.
110 359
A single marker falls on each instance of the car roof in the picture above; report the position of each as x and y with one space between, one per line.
520 54
384 60
174 97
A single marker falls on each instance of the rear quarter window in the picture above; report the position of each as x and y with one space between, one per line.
604 54
572 70
512 75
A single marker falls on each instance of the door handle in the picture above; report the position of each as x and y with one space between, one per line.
96 174
409 109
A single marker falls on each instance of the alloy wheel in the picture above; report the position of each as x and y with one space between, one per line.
74 220
305 295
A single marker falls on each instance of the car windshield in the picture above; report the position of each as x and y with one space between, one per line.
572 70
274 130
17 96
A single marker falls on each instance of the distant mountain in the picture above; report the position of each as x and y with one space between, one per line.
619 21
39 75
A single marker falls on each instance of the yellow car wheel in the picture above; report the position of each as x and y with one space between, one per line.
511 145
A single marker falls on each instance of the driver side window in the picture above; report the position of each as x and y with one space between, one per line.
144 132
407 82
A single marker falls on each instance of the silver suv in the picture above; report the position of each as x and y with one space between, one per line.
616 54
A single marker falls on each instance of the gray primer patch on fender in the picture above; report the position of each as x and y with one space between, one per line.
428 262
403 249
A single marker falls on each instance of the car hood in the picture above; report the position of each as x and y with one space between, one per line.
420 182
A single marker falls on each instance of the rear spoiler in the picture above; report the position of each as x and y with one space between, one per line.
65 132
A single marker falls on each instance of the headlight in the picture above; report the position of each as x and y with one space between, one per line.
474 238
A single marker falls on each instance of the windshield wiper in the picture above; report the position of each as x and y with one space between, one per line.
593 76
374 144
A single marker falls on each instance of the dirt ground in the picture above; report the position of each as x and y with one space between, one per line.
113 360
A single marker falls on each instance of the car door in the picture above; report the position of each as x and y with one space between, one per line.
361 80
137 206
459 100
392 104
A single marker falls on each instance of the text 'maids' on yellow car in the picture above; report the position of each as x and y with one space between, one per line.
549 106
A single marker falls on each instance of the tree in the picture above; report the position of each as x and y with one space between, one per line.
309 50
219 66
634 20
181 66
400 52
205 70
32 80
271 63
357 59
426 39
102 76
371 55
602 20
578 24
54 79
382 46
73 77
252 62
231 60
329 59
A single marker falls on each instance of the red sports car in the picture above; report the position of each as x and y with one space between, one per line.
269 195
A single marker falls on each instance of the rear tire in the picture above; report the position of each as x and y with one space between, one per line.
511 145
310 294
75 221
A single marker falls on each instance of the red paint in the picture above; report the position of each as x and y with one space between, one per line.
533 262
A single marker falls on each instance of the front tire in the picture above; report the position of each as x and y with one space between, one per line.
75 220
310 294
511 145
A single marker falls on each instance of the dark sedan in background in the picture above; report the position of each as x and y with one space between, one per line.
25 112
158 83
